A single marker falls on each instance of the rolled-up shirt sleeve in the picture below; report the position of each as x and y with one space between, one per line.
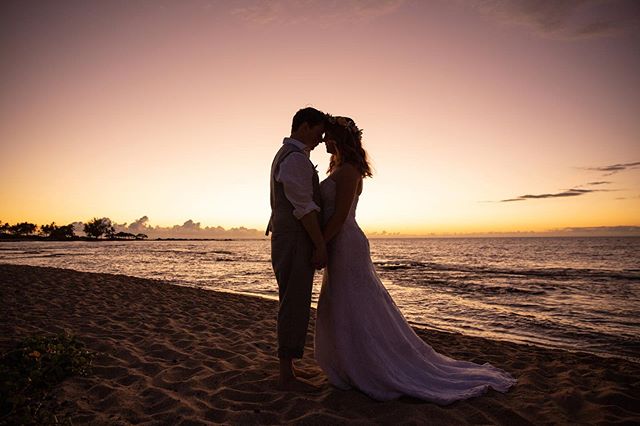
296 175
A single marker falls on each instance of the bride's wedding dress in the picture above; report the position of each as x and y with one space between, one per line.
363 341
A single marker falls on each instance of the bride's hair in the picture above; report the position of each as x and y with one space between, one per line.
349 143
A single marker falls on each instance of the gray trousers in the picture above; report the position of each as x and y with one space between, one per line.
291 259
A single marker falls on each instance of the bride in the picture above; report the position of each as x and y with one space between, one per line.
362 340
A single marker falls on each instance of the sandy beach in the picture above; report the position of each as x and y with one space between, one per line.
179 355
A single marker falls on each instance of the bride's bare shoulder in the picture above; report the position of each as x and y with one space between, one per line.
348 173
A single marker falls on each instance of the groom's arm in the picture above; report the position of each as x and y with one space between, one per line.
296 175
311 224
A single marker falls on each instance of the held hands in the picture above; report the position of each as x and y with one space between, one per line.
312 226
319 257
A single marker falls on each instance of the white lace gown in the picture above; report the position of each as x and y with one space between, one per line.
363 341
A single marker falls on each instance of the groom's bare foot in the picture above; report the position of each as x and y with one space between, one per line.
294 384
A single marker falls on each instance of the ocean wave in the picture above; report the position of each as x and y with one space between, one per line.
626 274
189 251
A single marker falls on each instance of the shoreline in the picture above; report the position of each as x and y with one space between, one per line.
9 239
174 353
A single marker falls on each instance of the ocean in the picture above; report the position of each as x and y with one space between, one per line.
577 294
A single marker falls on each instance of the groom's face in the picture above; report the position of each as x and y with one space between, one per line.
315 135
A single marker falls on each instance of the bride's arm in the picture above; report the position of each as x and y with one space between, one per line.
346 187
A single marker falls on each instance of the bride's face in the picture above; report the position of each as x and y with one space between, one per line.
330 144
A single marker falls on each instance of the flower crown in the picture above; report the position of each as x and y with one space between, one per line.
345 122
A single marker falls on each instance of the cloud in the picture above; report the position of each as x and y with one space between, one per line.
574 192
325 12
579 189
369 8
188 229
139 226
599 231
565 19
628 198
597 183
189 226
594 231
615 168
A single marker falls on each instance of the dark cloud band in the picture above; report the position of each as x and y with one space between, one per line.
574 192
615 168
562 19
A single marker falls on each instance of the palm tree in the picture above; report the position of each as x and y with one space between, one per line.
47 230
55 232
97 227
23 228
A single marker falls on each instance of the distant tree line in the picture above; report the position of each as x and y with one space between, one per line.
94 229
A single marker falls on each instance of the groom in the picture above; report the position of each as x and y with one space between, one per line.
297 246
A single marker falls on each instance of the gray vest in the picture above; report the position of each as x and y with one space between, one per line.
282 218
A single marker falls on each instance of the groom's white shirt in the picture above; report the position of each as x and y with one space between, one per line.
296 175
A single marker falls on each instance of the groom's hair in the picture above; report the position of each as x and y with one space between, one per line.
307 115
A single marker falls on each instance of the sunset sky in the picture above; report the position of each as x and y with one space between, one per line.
479 116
